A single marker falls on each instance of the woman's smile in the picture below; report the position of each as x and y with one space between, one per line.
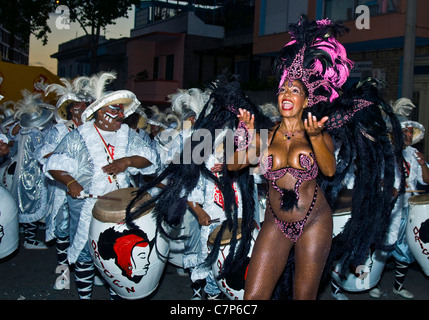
287 104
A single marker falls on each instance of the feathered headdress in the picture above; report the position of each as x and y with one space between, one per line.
66 93
189 102
403 108
31 111
316 58
96 88
164 119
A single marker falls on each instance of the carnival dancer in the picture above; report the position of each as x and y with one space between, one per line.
29 186
94 159
71 103
302 169
416 171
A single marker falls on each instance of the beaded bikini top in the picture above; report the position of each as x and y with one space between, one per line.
309 172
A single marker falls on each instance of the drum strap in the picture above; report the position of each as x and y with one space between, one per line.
406 171
111 177
71 125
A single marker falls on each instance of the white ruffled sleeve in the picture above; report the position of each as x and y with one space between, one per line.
138 147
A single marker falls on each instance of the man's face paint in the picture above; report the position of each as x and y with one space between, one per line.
111 117
115 111
77 110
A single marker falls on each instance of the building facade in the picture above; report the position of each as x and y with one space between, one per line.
375 42
13 49
187 45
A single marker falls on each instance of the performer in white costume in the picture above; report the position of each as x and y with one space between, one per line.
96 158
71 103
29 185
416 171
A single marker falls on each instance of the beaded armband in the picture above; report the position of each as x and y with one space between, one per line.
242 136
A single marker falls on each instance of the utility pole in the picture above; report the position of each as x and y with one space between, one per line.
409 50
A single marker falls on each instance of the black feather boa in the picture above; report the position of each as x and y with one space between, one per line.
219 113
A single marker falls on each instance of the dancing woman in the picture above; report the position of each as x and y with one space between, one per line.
301 162
297 150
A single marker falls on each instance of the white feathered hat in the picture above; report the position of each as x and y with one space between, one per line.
403 108
68 92
188 102
96 87
32 112
162 119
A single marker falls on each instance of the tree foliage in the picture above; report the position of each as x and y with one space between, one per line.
94 15
25 17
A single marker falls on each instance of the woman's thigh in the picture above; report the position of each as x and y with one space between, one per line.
311 252
269 257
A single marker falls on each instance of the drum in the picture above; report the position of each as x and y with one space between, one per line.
368 274
7 169
417 230
131 261
9 225
233 285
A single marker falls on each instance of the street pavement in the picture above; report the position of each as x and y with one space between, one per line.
30 275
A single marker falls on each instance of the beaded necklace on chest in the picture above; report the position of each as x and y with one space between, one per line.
288 135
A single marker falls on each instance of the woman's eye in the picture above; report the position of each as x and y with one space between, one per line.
296 91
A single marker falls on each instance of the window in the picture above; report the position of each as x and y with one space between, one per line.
276 15
169 67
155 68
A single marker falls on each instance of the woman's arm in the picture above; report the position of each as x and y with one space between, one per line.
243 158
322 144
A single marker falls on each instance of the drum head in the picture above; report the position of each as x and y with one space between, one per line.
226 236
106 210
419 199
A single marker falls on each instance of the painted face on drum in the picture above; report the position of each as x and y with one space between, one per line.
140 260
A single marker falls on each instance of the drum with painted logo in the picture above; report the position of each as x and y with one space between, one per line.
130 260
9 225
233 285
417 230
368 274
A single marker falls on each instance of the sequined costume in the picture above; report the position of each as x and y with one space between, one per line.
81 153
57 199
29 185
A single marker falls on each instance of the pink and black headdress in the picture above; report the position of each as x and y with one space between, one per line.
316 58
